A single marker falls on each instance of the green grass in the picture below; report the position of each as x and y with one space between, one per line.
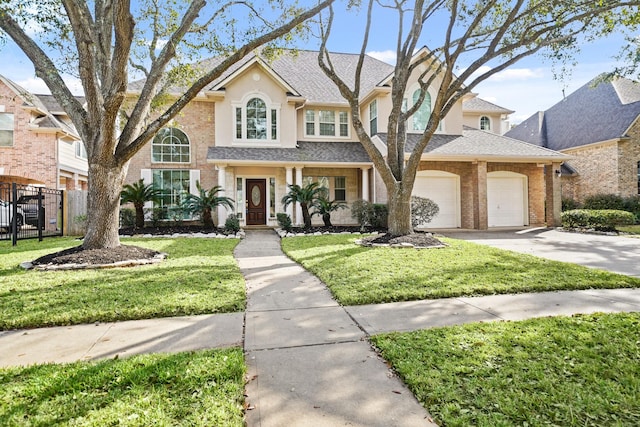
631 229
188 389
579 371
359 275
199 276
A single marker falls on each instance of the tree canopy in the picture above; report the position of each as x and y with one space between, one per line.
470 41
104 42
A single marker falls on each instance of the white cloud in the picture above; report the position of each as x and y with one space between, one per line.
511 74
388 56
37 86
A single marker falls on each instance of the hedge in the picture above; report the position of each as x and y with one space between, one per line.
599 219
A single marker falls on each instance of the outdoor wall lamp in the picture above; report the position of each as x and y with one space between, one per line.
558 173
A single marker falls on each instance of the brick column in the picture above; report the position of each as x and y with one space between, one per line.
553 194
480 216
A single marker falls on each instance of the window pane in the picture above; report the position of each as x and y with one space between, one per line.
272 197
340 188
485 123
256 119
310 120
6 130
170 145
344 123
327 120
239 198
421 117
6 138
274 124
174 186
238 123
373 117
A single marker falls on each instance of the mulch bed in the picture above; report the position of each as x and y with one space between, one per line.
418 240
78 255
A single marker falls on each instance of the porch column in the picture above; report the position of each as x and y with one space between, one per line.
365 183
76 181
289 181
553 194
222 182
480 215
298 207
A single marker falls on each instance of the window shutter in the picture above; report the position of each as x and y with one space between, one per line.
147 178
194 176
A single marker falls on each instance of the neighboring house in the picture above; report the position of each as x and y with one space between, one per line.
265 125
598 126
38 144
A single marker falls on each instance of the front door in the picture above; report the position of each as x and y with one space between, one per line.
256 201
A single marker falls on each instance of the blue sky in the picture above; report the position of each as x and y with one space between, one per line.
527 87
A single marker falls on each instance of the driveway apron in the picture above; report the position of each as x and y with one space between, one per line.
309 362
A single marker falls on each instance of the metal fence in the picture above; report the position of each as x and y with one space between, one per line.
29 212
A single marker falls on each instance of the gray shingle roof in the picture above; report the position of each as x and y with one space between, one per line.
590 114
300 70
480 144
307 152
481 106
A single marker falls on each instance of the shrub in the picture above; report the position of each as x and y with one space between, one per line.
157 215
370 214
284 221
604 201
569 204
232 224
602 219
127 217
423 210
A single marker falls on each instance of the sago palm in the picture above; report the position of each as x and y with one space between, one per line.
324 207
306 196
138 194
205 202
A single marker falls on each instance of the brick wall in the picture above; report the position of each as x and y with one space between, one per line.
598 171
32 158
628 158
197 121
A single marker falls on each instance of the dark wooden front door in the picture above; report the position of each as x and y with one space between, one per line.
256 201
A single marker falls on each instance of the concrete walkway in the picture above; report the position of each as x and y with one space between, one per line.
309 361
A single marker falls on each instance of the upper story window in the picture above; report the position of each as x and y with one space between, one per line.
485 123
6 129
81 151
326 123
256 121
170 145
421 117
373 117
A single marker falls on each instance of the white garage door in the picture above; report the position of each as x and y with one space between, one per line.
507 199
444 189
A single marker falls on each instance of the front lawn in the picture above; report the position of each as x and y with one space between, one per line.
188 389
199 276
359 275
578 371
631 229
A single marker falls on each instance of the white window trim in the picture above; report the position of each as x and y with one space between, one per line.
242 104
157 162
316 121
490 123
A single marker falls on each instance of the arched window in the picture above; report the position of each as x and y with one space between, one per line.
485 123
170 145
421 117
255 120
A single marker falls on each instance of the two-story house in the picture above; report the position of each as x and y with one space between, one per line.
265 125
38 144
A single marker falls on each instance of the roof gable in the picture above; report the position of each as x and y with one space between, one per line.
479 105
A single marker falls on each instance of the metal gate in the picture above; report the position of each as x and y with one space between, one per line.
29 212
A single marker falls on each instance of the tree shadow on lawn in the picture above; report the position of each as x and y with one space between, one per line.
62 298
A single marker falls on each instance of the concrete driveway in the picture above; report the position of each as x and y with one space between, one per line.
612 253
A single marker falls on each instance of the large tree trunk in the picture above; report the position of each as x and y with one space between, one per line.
399 205
103 204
